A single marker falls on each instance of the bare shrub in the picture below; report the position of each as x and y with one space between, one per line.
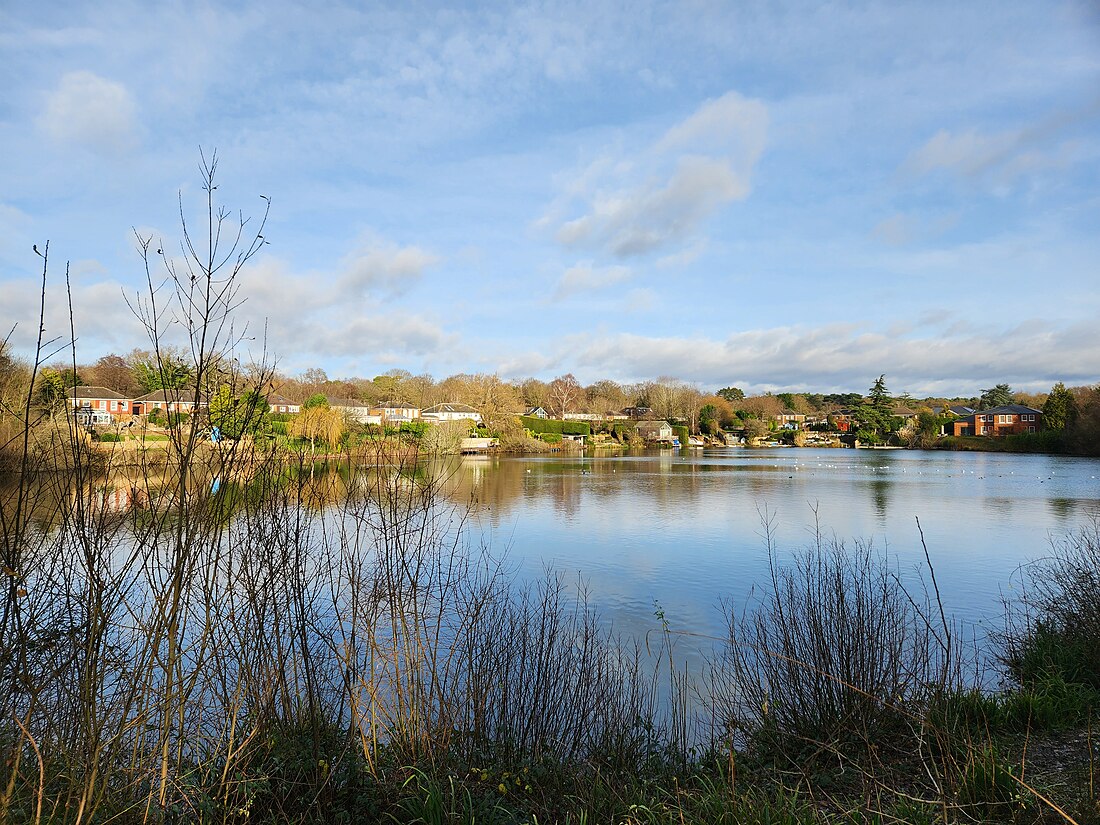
834 660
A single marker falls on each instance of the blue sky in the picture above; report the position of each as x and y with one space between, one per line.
768 195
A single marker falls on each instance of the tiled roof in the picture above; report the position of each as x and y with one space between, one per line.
96 392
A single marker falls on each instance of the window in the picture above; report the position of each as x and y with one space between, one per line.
1029 417
114 406
1031 429
1004 419
988 418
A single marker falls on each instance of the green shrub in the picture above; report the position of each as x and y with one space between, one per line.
109 438
550 438
1054 629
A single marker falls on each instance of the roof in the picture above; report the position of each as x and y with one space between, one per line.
84 391
652 426
395 405
169 396
1011 409
451 408
281 400
344 402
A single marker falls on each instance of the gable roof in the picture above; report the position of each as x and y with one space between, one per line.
169 396
450 408
351 403
1011 409
85 391
652 426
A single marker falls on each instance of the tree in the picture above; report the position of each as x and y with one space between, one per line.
731 394
1060 409
564 392
319 423
237 416
874 417
51 394
997 396
166 370
114 372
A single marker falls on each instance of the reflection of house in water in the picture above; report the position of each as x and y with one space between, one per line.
118 499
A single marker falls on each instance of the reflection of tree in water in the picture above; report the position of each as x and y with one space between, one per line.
880 492
1063 508
880 465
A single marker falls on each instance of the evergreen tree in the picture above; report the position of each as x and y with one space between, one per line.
997 396
875 416
1060 409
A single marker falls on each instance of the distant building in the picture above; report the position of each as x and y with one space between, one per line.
99 398
173 401
1009 419
638 413
655 431
395 412
354 409
281 404
537 412
451 412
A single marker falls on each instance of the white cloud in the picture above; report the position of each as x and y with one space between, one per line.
91 111
664 194
584 277
1002 158
381 267
842 357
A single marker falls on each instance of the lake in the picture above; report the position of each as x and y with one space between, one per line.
684 530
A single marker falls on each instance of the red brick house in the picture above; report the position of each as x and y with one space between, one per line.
180 401
1010 419
100 399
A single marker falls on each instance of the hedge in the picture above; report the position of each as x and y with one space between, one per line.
552 425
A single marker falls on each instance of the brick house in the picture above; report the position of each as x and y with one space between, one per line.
100 399
173 401
1009 419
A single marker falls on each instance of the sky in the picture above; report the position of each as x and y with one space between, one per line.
775 196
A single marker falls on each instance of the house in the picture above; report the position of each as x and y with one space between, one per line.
281 404
956 410
638 413
452 412
100 399
843 420
659 431
537 412
354 409
395 412
1009 419
790 420
582 416
173 401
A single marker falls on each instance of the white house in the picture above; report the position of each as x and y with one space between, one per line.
451 412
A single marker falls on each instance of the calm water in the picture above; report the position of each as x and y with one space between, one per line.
684 530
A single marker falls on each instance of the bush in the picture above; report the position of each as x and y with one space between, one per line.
1054 629
551 425
832 660
109 438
